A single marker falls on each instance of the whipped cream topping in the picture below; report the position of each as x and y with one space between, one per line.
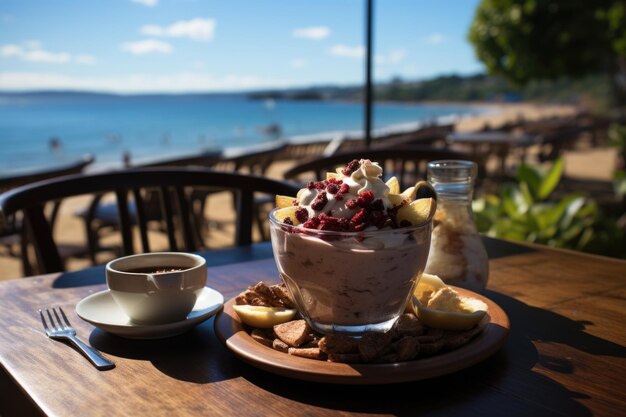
367 177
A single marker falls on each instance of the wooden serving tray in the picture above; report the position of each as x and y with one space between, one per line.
231 332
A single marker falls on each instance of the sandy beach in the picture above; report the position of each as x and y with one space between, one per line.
590 163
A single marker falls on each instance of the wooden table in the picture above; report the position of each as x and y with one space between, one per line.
498 143
564 355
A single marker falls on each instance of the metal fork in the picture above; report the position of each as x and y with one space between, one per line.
63 330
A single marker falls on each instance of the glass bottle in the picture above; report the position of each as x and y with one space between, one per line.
457 254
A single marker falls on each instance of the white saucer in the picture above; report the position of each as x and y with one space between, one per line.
101 310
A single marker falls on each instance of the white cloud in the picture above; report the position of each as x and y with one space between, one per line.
148 3
397 55
32 44
32 52
147 46
196 29
85 59
314 32
137 83
392 57
348 51
297 63
433 39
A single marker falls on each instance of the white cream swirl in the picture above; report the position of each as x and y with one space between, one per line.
366 178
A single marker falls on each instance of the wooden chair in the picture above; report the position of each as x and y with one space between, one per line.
175 185
407 163
102 218
12 236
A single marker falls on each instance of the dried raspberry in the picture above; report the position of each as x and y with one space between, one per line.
352 166
320 185
310 185
311 223
344 224
344 188
332 188
330 223
320 201
359 217
302 215
295 203
352 204
339 196
366 198
288 221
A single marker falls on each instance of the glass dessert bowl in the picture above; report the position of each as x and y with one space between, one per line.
349 268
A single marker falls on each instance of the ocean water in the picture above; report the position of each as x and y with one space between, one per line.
150 128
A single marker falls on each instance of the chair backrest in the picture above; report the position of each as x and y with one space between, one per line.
407 163
175 186
74 167
254 160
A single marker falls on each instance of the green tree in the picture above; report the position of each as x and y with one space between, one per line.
526 40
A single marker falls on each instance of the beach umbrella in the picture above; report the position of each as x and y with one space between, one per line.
367 129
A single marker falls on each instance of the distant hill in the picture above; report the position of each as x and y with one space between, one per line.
593 91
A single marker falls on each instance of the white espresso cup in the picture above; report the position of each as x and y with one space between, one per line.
158 287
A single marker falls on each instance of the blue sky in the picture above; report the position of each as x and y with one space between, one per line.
129 46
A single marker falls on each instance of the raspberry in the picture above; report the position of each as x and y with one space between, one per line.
330 223
352 204
344 188
310 185
295 203
332 188
311 223
320 201
288 221
302 215
352 166
359 217
366 198
344 224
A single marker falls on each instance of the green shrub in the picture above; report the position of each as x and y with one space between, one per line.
523 211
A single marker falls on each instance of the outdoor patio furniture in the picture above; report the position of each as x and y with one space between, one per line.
407 163
174 186
102 218
14 236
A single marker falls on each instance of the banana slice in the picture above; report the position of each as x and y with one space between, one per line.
394 185
406 197
418 211
283 201
439 306
282 213
334 175
264 317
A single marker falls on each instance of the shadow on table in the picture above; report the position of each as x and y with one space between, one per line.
196 356
501 248
504 384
